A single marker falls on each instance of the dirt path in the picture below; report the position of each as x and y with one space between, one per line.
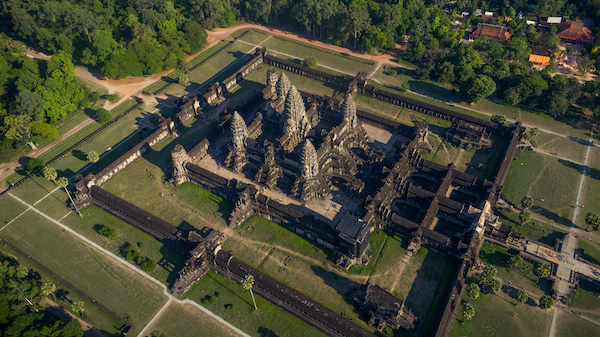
60 312
233 234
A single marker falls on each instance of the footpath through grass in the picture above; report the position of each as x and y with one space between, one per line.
568 325
188 321
115 286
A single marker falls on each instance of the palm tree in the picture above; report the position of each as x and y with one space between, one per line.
93 156
48 289
522 296
50 174
468 311
247 283
79 307
64 182
542 270
527 202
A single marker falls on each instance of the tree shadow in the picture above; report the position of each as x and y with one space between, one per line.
264 332
79 154
553 216
591 171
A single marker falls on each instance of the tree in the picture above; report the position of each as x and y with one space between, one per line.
535 131
515 262
103 116
43 130
30 104
93 157
310 62
64 182
525 216
546 302
50 174
477 88
522 296
527 202
468 311
358 18
542 270
247 284
17 127
592 219
183 79
48 288
500 119
496 285
34 165
473 291
78 307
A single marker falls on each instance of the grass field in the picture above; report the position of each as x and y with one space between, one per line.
591 251
570 326
524 277
497 315
586 302
188 321
422 282
560 146
64 297
547 178
589 195
444 93
280 45
267 321
9 209
115 286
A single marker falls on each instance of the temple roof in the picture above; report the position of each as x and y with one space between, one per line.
575 31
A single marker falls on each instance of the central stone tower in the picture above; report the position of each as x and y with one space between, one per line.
237 157
296 124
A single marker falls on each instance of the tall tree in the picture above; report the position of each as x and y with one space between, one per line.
522 296
592 219
358 18
247 284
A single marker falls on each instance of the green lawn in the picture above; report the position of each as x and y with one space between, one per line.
9 209
560 146
497 315
324 57
188 321
523 277
110 283
589 195
586 301
65 296
267 321
570 326
547 178
591 251
535 230
444 93
422 283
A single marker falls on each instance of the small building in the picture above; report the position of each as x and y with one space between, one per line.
539 55
353 234
575 31
492 32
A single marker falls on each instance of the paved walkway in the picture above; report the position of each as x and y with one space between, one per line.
120 260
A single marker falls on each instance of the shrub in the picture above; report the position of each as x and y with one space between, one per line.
211 300
546 302
130 253
205 302
229 307
500 119
112 97
310 62
147 265
217 294
108 232
34 165
103 116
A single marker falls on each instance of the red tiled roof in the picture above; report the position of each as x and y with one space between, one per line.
575 31
492 32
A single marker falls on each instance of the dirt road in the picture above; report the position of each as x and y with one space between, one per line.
60 312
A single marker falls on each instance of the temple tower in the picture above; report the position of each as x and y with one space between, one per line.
179 157
239 132
272 80
309 161
269 172
349 110
237 157
283 86
295 122
310 185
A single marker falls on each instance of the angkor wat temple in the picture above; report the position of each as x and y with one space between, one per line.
318 166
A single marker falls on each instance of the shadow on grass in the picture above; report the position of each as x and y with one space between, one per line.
590 172
230 290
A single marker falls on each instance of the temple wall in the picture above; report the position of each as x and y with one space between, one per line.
134 154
